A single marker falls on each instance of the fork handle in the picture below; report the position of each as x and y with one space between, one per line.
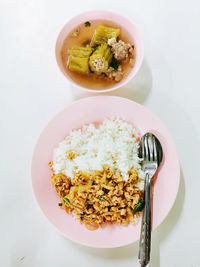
145 235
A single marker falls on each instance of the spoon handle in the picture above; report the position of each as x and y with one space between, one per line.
145 235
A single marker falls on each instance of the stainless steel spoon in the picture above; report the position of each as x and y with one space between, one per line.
151 152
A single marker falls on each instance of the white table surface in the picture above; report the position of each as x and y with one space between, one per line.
32 91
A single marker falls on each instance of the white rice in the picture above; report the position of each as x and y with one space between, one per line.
112 143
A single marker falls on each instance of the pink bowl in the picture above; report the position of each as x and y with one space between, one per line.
101 15
94 109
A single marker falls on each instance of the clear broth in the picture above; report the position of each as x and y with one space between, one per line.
91 80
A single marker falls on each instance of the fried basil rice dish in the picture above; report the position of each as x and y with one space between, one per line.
97 175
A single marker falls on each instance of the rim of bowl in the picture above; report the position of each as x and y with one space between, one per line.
72 22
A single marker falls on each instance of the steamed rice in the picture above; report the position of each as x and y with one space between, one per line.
113 143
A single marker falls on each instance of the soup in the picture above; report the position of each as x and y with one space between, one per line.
85 40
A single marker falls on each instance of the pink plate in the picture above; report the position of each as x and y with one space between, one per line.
94 109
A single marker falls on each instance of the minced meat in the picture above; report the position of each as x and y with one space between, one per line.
115 75
120 49
97 65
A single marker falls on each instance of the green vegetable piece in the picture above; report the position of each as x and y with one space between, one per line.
79 65
103 33
101 199
66 200
79 59
100 59
87 24
114 64
139 206
80 51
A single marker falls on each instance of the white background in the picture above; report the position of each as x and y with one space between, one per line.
32 91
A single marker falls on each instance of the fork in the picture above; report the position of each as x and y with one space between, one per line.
151 153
